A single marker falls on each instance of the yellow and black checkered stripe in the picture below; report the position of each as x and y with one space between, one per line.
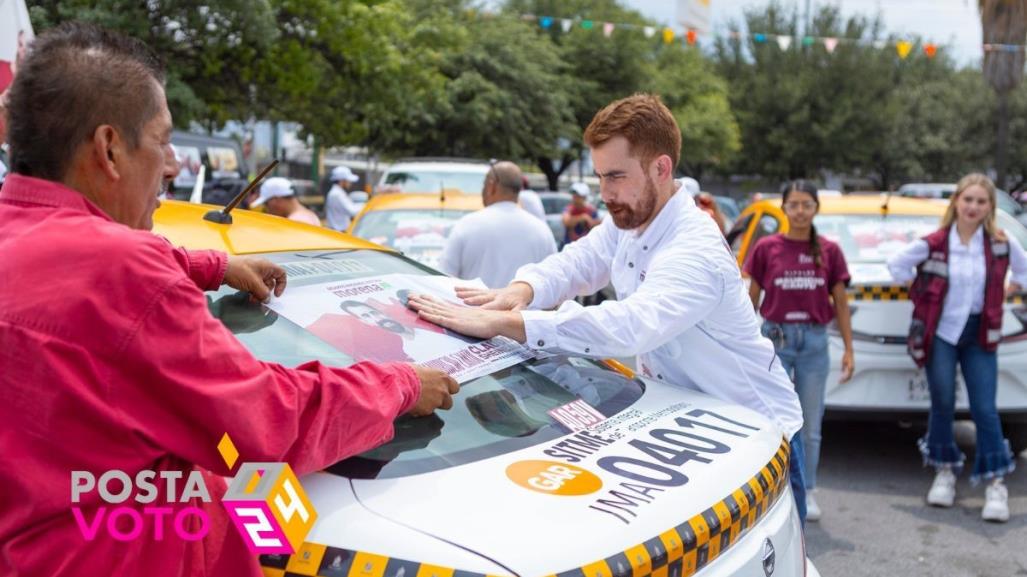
876 292
680 551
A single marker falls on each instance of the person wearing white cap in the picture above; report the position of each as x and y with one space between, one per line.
339 208
579 217
280 197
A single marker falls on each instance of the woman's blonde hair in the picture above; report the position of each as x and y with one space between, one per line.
964 183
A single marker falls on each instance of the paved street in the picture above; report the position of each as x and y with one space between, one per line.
875 521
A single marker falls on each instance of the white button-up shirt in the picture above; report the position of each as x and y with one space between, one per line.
682 308
967 272
339 208
492 243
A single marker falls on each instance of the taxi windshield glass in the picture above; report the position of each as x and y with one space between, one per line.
434 181
419 234
493 414
871 239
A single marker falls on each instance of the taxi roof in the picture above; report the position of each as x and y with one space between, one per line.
871 204
454 200
251 232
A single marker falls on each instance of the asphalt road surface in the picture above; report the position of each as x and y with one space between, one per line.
875 520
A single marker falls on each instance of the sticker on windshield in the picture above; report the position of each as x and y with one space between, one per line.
309 268
576 415
368 320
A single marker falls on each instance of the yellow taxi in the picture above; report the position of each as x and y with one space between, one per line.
415 224
662 480
870 228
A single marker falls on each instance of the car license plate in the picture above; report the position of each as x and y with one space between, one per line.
919 391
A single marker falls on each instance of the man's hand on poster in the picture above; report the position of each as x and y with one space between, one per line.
258 276
477 322
437 390
512 298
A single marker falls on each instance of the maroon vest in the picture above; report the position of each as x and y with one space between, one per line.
932 282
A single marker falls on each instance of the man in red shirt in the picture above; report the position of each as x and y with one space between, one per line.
110 359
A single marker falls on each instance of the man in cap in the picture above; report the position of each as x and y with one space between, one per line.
579 217
339 208
279 196
494 242
111 360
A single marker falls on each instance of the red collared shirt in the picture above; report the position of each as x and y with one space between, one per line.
109 359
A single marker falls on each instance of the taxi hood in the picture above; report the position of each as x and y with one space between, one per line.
677 473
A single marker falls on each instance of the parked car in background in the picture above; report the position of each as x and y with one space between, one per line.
1004 200
886 381
415 224
434 175
225 169
658 480
729 208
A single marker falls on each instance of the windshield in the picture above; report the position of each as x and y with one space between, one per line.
871 239
419 234
434 181
493 414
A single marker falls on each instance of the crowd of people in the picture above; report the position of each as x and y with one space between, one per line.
109 367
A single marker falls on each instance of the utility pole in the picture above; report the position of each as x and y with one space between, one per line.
807 31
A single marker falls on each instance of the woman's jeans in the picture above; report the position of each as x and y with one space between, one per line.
802 349
980 372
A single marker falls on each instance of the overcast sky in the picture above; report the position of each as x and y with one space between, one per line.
954 23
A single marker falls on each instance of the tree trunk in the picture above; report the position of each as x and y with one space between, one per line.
1002 139
552 172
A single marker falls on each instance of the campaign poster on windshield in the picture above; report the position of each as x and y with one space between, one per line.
368 320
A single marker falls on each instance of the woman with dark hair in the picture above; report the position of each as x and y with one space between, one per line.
958 293
804 277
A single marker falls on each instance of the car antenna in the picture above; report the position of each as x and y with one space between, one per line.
442 196
884 207
224 216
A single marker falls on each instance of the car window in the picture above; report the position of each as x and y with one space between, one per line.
420 234
871 239
492 415
767 225
503 412
435 181
555 204
1007 203
736 235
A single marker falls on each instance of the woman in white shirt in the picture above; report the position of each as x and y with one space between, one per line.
958 293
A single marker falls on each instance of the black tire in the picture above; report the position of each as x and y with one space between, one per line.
1017 435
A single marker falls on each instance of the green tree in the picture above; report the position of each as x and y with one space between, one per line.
1003 22
686 82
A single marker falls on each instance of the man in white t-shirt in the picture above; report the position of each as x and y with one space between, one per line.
530 201
494 242
339 208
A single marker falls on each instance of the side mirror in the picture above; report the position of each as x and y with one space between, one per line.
358 196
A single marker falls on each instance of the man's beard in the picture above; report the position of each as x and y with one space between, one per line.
626 218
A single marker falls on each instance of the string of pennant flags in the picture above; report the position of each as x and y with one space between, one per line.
691 37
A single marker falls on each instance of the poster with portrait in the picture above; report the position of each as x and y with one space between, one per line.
368 320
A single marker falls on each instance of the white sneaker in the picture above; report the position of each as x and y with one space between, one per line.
943 489
812 509
996 503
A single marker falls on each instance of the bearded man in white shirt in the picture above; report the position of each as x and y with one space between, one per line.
682 306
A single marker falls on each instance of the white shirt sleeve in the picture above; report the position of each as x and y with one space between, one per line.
902 265
582 268
680 289
1017 262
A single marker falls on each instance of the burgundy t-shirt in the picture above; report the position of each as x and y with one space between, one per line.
796 290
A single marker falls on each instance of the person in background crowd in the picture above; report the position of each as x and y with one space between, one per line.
530 201
681 304
118 365
579 217
492 243
339 208
280 197
958 293
804 276
708 204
